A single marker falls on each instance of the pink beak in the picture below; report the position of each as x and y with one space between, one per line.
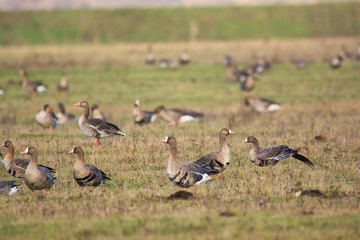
72 151
245 141
24 152
231 132
77 104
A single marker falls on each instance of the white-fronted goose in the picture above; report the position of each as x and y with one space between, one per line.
262 104
335 62
2 91
9 187
271 155
177 116
141 117
184 58
47 118
220 160
97 113
95 127
16 166
184 174
63 85
63 116
86 174
37 177
150 57
32 87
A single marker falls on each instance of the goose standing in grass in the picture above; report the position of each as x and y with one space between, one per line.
184 58
300 64
47 118
95 127
335 62
2 91
233 73
177 116
271 155
9 187
168 63
37 177
262 104
220 160
228 60
63 116
86 174
150 57
249 83
32 87
16 166
63 85
97 113
184 174
141 117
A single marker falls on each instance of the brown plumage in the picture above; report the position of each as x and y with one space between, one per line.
63 116
47 118
220 160
262 104
32 87
97 113
63 85
177 116
37 177
271 155
141 117
9 187
86 174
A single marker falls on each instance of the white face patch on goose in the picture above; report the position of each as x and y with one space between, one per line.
27 150
166 139
246 140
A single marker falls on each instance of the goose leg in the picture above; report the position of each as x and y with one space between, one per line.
82 190
96 141
32 192
217 177
48 192
51 129
94 190
23 181
33 94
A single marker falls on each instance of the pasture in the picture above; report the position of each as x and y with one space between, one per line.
320 116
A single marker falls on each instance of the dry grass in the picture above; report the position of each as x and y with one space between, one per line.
247 202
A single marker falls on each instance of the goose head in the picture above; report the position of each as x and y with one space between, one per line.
82 104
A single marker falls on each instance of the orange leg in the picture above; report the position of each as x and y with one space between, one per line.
51 129
82 190
96 141
94 190
32 192
217 177
24 183
47 192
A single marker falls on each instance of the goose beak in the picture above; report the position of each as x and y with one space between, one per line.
77 104
153 117
26 151
231 132
165 140
48 110
2 145
245 141
72 151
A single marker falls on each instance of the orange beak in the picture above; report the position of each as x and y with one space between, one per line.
231 132
77 104
48 110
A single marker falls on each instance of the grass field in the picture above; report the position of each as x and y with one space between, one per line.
214 23
247 202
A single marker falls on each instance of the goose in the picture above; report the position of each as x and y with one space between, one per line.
233 73
16 166
141 117
228 60
184 58
97 113
9 187
47 118
32 87
335 62
150 58
262 104
63 85
95 127
86 174
271 155
300 64
63 116
2 91
168 63
249 83
184 174
37 177
177 116
263 62
220 160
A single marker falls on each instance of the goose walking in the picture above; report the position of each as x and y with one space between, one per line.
177 116
86 174
94 127
37 177
141 117
271 155
9 187
184 174
63 116
47 118
220 160
262 104
32 87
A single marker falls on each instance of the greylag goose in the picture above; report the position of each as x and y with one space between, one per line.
184 174
150 58
32 87
95 127
17 166
37 177
335 62
262 104
271 155
141 117
86 174
9 187
177 116
184 58
97 113
47 118
220 160
63 85
63 116
2 91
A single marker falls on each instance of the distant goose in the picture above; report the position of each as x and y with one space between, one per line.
86 174
233 73
184 58
263 62
16 166
228 60
37 177
63 85
168 63
300 64
335 62
177 116
220 160
271 155
2 91
97 113
262 104
249 82
47 118
150 58
63 116
140 116
9 187
32 87
95 127
184 174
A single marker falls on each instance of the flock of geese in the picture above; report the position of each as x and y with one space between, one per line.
94 125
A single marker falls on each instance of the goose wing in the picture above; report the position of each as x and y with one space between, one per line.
103 127
275 152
